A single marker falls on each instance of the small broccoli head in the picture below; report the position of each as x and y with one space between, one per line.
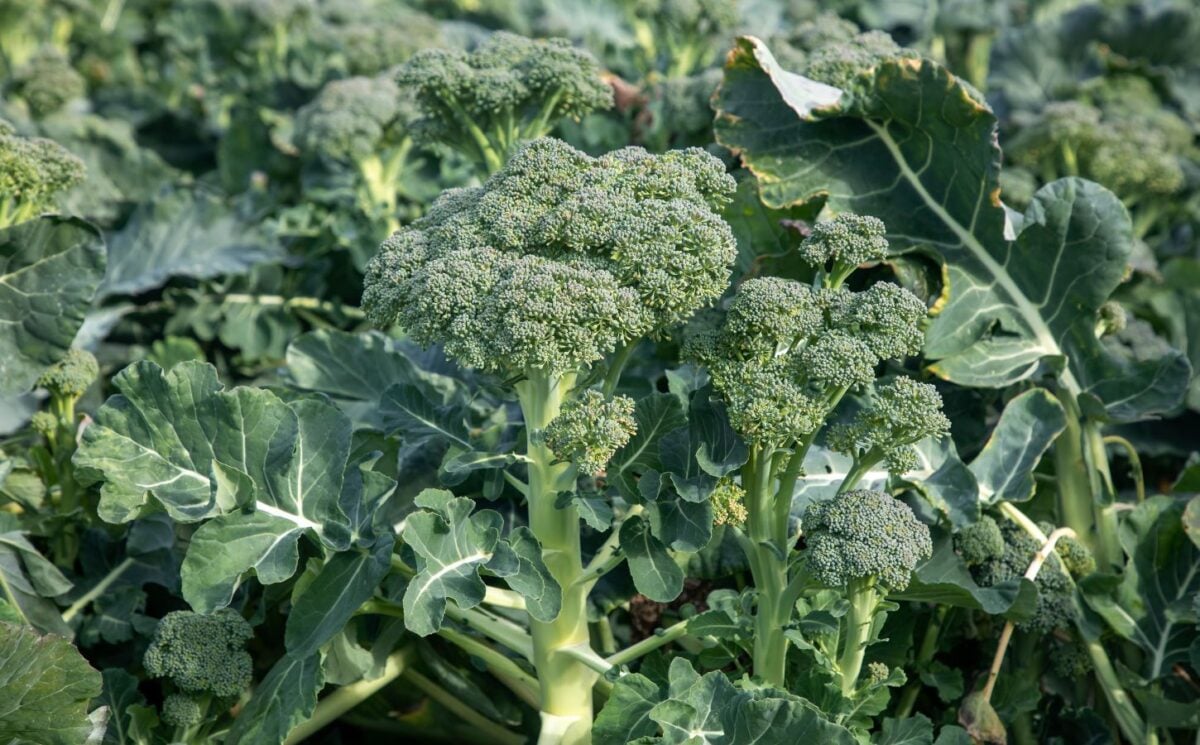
1071 660
202 653
374 37
47 82
979 542
1075 556
1056 607
589 429
769 315
728 501
840 245
901 413
510 89
864 536
840 62
558 258
351 119
1111 319
71 376
183 710
33 173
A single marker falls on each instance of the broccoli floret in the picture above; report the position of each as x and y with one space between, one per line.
863 537
558 258
840 245
590 429
183 709
901 413
1070 660
1076 557
728 501
510 90
71 376
47 82
1056 607
361 123
866 544
980 542
202 653
679 37
841 62
33 172
374 37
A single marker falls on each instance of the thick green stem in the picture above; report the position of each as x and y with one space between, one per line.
333 706
1081 466
660 638
925 654
493 731
566 683
864 600
766 549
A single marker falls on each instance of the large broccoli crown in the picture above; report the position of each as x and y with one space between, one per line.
47 82
466 96
558 258
901 413
33 172
351 119
864 536
202 653
784 351
71 376
590 428
1056 607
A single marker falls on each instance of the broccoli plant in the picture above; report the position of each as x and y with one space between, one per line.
783 356
204 661
360 124
509 90
33 173
678 38
66 381
557 266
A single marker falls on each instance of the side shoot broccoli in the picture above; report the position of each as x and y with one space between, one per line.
66 381
509 90
204 658
1056 604
361 123
558 263
33 173
783 356
47 83
677 38
866 544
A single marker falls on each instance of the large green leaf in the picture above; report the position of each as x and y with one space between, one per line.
626 716
1028 426
655 573
692 714
45 688
284 699
916 146
183 232
656 415
1153 606
49 271
331 599
28 582
261 471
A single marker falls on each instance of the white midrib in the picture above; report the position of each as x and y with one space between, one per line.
274 511
1160 650
452 566
1029 312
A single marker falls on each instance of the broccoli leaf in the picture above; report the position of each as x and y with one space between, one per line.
655 573
49 271
284 699
656 415
1028 426
327 604
915 146
28 581
45 687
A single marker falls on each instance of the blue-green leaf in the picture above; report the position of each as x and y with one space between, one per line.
655 573
1028 426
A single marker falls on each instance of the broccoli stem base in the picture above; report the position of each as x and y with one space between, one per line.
566 683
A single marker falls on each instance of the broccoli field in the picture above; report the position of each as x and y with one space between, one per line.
590 372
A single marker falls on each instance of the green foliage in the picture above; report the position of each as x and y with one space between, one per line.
201 653
559 258
47 82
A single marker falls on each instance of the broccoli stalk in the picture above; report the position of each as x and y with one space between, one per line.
66 381
783 357
558 263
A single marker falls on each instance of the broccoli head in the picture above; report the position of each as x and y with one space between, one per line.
374 37
1056 607
1070 660
47 82
558 258
840 62
71 376
350 120
510 89
202 653
728 501
863 536
33 172
1075 556
784 353
979 542
183 710
589 429
901 413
